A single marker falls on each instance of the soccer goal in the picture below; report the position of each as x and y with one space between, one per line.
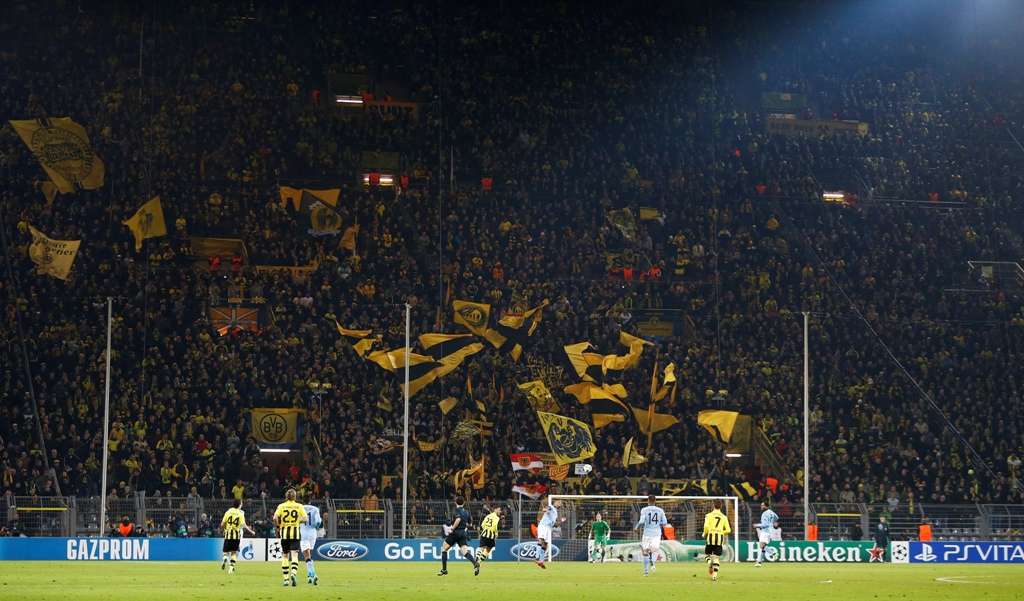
574 538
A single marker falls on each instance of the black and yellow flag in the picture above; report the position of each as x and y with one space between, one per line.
539 396
630 456
147 222
303 198
604 402
651 422
744 490
423 370
62 148
473 475
719 423
447 404
475 316
360 339
450 348
514 329
271 425
430 446
52 257
658 392
570 440
471 428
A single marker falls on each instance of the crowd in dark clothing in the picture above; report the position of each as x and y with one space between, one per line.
571 115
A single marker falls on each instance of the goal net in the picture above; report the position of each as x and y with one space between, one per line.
574 540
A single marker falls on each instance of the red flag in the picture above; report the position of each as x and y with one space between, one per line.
486 183
534 491
526 461
760 188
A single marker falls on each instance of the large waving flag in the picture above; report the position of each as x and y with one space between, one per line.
52 257
63 149
147 222
570 440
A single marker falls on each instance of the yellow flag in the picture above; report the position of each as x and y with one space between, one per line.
475 316
570 440
651 422
575 353
52 257
294 196
630 456
63 149
649 214
448 404
147 222
539 396
558 472
49 190
473 475
348 239
275 426
719 423
428 447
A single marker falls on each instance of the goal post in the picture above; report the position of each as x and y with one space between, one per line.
684 513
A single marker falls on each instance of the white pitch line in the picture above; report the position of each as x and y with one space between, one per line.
957 580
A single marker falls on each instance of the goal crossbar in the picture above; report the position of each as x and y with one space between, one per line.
731 500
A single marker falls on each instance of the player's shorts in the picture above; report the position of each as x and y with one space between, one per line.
713 550
231 545
486 543
603 541
763 536
458 538
288 545
650 544
306 543
544 533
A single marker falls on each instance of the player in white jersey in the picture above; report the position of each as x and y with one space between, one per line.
769 521
547 523
652 520
307 540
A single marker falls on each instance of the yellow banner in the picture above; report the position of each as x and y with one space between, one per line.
147 222
539 396
570 440
62 148
630 456
52 257
719 423
275 426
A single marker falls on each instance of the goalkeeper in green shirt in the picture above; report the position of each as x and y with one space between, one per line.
600 532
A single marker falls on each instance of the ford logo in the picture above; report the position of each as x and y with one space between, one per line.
531 551
342 550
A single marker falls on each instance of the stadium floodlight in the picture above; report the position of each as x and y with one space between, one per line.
270 450
685 514
734 455
349 100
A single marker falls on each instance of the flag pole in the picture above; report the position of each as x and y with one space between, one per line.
106 425
807 429
405 421
650 407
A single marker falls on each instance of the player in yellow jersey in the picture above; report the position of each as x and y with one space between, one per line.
716 533
488 534
288 517
232 524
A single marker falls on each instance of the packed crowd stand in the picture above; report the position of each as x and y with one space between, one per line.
653 114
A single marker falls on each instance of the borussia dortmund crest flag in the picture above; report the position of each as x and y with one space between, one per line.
63 149
570 440
475 316
147 222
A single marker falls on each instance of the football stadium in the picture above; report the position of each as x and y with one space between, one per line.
560 300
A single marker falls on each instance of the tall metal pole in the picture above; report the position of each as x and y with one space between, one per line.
106 424
405 420
807 427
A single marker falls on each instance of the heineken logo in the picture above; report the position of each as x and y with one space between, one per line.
807 551
63 151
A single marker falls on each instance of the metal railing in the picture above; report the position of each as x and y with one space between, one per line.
373 518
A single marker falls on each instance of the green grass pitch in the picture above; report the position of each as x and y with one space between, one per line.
569 581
